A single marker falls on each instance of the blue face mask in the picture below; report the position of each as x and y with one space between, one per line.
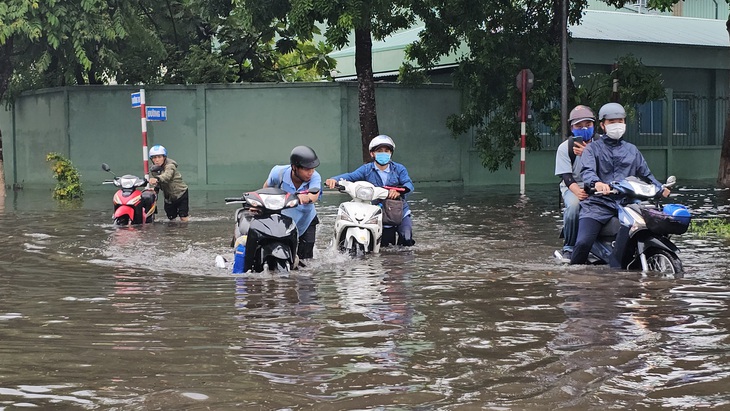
382 158
586 133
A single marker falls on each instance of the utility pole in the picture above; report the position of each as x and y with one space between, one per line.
564 68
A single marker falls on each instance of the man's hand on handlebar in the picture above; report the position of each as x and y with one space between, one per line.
602 188
330 183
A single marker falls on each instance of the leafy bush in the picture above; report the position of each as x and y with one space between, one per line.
68 177
716 226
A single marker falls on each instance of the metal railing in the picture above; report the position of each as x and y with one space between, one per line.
692 122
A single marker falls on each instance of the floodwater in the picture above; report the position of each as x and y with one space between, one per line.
475 316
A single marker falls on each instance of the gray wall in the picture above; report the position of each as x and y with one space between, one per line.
229 136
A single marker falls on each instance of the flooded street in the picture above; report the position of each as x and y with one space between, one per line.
475 316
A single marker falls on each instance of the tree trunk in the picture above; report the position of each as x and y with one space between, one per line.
366 89
723 176
6 70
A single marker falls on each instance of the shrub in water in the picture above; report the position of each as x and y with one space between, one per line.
68 177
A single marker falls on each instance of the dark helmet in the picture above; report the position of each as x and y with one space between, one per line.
303 156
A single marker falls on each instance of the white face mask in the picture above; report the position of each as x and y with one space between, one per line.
615 130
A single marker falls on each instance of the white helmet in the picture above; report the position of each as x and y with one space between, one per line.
381 140
158 150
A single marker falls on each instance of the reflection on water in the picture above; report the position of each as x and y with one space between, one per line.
475 316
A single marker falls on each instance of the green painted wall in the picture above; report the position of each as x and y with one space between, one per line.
229 136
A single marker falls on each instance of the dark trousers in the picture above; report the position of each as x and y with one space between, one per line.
404 231
588 231
305 249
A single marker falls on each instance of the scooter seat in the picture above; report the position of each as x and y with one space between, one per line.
610 229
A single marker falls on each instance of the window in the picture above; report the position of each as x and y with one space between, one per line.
681 117
650 117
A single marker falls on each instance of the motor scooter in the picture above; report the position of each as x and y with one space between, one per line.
643 228
132 203
359 222
270 238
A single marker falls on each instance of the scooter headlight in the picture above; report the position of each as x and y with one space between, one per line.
372 220
127 181
292 203
254 202
342 215
364 193
273 202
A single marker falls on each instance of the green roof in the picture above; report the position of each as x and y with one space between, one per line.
389 54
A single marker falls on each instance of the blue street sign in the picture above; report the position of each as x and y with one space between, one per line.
136 100
156 113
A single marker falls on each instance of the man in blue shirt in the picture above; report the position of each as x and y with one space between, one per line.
301 179
382 171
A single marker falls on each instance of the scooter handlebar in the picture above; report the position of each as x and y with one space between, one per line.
398 189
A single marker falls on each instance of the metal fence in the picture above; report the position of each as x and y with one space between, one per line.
693 121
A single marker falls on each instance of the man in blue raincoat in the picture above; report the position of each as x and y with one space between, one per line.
608 159
299 177
383 171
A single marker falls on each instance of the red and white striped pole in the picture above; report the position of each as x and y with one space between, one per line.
143 115
523 131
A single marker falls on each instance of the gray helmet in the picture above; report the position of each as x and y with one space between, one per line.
611 111
581 113
303 156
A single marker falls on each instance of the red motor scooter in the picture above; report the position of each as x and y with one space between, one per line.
133 204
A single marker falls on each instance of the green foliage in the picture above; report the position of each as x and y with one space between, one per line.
638 84
495 40
715 226
61 42
68 186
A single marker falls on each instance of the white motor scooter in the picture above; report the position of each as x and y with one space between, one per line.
359 223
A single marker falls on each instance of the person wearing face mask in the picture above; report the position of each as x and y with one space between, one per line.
383 171
609 158
568 167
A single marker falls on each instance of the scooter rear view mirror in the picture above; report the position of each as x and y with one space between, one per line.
314 190
105 167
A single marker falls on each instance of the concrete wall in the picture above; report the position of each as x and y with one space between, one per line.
229 136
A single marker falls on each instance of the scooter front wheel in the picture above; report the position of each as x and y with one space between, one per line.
356 248
664 262
123 220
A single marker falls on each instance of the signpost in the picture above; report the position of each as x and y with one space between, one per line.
157 113
525 80
152 113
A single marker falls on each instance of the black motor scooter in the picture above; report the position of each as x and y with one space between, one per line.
270 237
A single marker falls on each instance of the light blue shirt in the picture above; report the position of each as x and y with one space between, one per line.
303 214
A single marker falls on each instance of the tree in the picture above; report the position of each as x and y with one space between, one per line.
55 42
60 42
367 20
500 39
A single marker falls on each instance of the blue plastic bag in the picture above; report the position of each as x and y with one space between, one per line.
238 258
